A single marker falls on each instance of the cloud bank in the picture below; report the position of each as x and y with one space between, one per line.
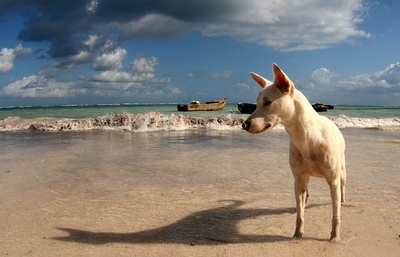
382 86
282 25
92 34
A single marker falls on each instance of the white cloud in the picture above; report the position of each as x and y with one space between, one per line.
67 63
220 74
152 25
38 86
381 87
9 55
106 83
305 86
121 76
391 75
109 60
101 53
243 86
7 58
143 65
387 78
91 41
283 25
81 57
292 25
112 80
22 52
322 75
140 69
92 6
210 74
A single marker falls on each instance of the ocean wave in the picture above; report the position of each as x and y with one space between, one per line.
154 121
142 122
344 121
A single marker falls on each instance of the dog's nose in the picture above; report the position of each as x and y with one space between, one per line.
246 125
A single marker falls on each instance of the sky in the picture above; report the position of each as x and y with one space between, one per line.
175 51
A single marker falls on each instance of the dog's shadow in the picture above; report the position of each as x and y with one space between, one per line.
212 226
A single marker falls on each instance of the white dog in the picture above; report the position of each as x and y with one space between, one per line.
316 148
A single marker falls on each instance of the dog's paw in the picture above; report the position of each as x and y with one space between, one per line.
298 234
335 239
348 205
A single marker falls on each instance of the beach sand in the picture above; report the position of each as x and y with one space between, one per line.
189 193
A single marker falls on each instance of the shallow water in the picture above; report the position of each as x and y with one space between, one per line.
79 192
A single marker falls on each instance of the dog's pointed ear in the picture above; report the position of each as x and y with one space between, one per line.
260 80
281 81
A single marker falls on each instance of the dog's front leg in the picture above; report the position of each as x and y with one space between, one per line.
301 194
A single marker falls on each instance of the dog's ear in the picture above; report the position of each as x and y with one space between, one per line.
260 80
281 81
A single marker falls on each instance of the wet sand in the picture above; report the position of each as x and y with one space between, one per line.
196 193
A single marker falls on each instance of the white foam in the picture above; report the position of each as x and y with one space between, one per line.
344 121
154 121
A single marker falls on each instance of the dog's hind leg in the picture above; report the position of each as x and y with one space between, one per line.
343 183
308 195
343 189
301 194
335 188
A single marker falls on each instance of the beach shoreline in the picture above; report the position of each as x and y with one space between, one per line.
188 193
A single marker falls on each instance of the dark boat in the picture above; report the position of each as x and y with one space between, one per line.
320 107
214 105
247 108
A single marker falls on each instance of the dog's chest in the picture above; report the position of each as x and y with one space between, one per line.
313 163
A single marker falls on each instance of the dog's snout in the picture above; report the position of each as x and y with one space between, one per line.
246 125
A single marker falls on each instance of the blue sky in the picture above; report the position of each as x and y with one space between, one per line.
159 51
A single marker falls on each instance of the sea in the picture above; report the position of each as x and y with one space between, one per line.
165 117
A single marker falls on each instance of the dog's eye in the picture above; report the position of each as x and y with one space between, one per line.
267 102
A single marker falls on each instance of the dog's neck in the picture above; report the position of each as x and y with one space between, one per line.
303 126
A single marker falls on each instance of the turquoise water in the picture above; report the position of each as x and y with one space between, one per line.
83 111
364 111
159 117
92 111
